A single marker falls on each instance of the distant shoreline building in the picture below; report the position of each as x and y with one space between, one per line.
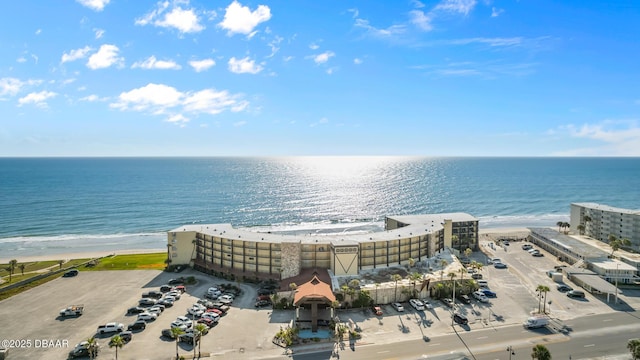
222 249
603 220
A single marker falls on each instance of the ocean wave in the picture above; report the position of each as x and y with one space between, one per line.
82 237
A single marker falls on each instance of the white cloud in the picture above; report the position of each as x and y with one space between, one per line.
185 20
512 41
106 56
420 20
92 98
98 33
38 99
459 6
75 54
97 5
417 4
390 31
241 66
355 12
274 45
287 58
357 61
177 118
202 65
239 123
314 46
153 63
618 138
240 19
322 58
38 32
322 121
12 86
160 99
495 12
21 59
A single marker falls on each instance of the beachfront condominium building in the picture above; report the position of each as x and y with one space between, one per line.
223 249
600 221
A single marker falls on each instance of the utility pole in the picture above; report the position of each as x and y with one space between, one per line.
511 352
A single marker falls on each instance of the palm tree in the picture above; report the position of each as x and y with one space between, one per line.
412 262
581 229
176 332
443 263
468 252
414 277
92 347
12 267
116 342
452 275
354 284
395 278
544 289
560 225
22 266
634 347
540 352
566 225
200 329
616 243
292 286
541 289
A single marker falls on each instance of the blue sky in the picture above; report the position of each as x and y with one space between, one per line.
244 78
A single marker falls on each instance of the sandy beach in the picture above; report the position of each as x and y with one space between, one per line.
486 234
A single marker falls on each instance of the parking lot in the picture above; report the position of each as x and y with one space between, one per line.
106 296
245 332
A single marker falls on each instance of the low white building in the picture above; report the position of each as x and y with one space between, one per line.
614 271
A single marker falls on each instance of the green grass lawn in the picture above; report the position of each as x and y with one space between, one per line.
153 261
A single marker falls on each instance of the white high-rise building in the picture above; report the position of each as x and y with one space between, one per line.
600 221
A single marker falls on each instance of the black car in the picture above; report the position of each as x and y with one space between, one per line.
138 325
460 319
126 336
464 298
177 281
152 294
70 273
262 303
166 288
135 310
564 288
166 333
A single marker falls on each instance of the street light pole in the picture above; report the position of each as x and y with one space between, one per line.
617 272
511 352
453 301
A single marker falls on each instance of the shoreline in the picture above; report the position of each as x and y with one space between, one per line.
517 232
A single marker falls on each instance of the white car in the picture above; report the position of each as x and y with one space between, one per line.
199 306
174 293
179 325
417 304
195 311
147 316
226 297
211 315
398 306
155 310
480 296
214 291
185 320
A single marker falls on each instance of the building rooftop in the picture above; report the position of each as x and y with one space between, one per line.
612 264
419 225
588 251
608 208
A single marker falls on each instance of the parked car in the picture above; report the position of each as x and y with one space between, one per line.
447 301
526 246
152 294
138 325
427 304
82 350
196 312
500 265
177 281
416 304
377 310
154 310
398 307
166 288
157 306
215 311
460 319
181 288
564 288
126 336
147 301
480 296
178 324
189 338
476 276
575 294
165 302
70 273
167 333
147 316
488 293
135 310
537 254
174 294
464 298
262 303
185 320
208 322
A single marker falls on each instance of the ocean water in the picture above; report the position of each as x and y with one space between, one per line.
62 205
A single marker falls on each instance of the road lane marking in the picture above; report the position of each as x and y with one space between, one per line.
605 320
482 337
590 345
382 352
